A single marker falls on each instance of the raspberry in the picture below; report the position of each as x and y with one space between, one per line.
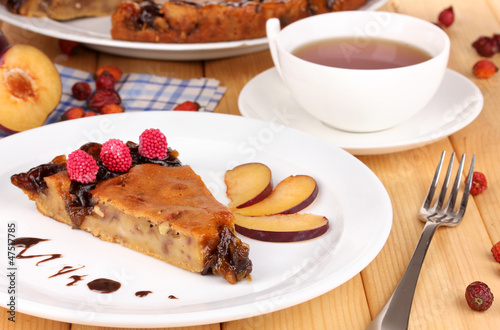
153 144
486 46
81 90
73 113
105 81
112 70
478 296
484 69
187 106
102 97
446 17
111 108
115 155
81 166
479 183
495 250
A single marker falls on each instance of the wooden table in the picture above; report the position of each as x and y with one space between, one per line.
456 257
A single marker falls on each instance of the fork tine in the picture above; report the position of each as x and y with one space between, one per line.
468 184
456 185
432 187
446 181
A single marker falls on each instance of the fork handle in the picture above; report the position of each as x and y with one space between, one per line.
396 313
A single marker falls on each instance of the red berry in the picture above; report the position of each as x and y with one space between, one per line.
495 250
111 108
69 47
73 113
105 81
446 17
81 166
486 46
115 155
103 97
478 296
484 69
153 144
112 70
81 90
479 183
187 106
90 114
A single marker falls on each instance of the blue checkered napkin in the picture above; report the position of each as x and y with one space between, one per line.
142 92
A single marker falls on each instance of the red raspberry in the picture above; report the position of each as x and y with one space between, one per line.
153 144
478 296
115 155
446 17
102 97
495 250
81 90
105 81
81 166
187 106
479 183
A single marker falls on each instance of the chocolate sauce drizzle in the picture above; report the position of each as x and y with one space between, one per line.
65 270
142 293
104 285
75 278
28 242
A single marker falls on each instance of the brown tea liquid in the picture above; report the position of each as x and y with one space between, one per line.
350 53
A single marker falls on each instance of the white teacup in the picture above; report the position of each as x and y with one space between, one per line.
359 100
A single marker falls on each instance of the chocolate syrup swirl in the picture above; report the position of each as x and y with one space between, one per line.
28 242
65 270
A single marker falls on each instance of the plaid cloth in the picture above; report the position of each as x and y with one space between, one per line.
142 92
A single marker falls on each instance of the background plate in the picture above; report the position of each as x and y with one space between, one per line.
94 33
350 196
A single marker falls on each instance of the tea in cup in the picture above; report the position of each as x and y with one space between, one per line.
360 71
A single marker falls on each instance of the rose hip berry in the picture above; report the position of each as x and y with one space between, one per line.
111 108
446 17
495 250
486 46
73 113
484 69
187 106
81 90
479 183
478 296
105 81
103 97
69 47
112 70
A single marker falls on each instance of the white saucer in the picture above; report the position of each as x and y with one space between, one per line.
456 104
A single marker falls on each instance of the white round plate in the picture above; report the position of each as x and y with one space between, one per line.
94 33
456 104
284 274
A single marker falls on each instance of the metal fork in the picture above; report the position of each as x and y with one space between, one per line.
396 313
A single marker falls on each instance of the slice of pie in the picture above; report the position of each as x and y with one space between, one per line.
158 207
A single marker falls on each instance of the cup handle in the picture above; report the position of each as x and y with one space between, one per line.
273 28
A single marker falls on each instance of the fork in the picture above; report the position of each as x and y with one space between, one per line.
396 313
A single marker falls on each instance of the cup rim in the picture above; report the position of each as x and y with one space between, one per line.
443 52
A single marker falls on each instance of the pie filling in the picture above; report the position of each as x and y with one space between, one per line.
160 208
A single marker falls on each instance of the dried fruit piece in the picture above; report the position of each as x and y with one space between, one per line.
495 250
73 113
187 106
484 69
479 183
105 81
486 46
81 166
153 144
115 155
81 90
69 47
103 97
446 17
478 296
90 114
111 108
112 70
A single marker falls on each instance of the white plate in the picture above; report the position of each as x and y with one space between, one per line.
94 33
456 104
284 274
